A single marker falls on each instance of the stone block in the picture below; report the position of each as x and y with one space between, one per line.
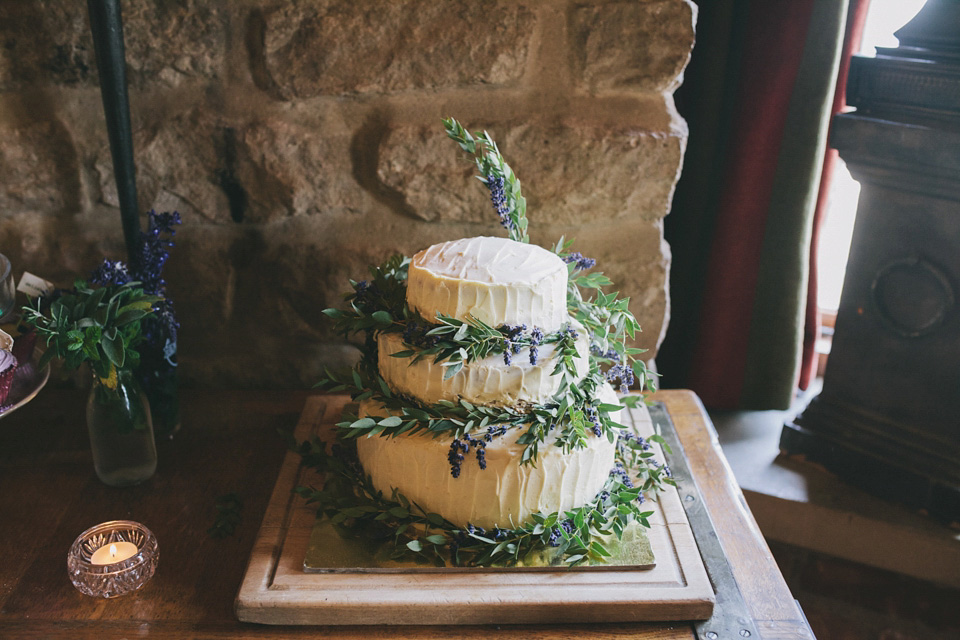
166 42
634 255
632 45
38 165
180 166
45 43
170 42
263 287
431 177
333 48
570 174
287 169
217 171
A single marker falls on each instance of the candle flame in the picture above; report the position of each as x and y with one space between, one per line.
113 551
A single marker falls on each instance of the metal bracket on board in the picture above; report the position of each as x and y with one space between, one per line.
731 620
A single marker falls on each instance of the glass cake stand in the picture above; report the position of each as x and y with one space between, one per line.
28 380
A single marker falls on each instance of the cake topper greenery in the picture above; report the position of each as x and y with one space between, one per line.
571 416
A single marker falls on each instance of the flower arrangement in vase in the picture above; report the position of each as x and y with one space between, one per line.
101 327
157 371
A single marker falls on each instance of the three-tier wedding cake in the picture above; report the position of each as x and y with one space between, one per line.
487 430
499 282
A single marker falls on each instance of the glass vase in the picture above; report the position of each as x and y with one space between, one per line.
161 387
121 431
158 371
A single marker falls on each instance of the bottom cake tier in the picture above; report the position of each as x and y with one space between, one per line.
505 493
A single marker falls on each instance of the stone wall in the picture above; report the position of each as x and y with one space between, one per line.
302 141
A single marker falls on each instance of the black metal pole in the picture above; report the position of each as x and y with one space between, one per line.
107 27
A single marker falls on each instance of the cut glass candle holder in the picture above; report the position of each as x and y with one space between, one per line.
117 578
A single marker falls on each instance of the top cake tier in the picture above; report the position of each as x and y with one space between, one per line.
495 280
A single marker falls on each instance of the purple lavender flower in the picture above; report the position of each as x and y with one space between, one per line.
622 373
499 200
594 417
555 536
110 273
580 261
536 337
153 250
415 334
609 354
455 457
360 297
639 442
620 473
511 344
494 432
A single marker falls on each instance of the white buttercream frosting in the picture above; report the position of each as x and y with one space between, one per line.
487 381
496 280
506 493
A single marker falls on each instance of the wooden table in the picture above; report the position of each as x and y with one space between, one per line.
229 444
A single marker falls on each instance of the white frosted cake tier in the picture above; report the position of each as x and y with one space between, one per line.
488 381
496 280
506 493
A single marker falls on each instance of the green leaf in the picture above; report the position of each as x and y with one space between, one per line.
391 421
113 348
437 539
363 423
129 315
415 546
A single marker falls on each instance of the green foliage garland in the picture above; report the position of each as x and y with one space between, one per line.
358 510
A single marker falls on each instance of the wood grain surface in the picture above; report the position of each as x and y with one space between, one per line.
229 443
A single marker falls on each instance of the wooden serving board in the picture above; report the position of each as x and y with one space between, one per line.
277 590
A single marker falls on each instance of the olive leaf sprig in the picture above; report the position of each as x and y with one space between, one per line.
572 414
609 322
454 343
380 305
494 171
98 325
573 537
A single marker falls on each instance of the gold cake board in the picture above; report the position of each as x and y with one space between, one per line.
277 590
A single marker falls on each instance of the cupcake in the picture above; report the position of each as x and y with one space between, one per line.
24 343
8 365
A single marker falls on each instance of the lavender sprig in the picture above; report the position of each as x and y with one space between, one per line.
510 205
580 262
159 330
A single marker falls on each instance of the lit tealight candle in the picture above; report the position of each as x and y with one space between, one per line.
112 558
113 552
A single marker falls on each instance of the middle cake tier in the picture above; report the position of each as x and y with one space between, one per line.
489 381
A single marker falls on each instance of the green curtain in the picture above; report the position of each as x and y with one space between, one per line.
757 97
